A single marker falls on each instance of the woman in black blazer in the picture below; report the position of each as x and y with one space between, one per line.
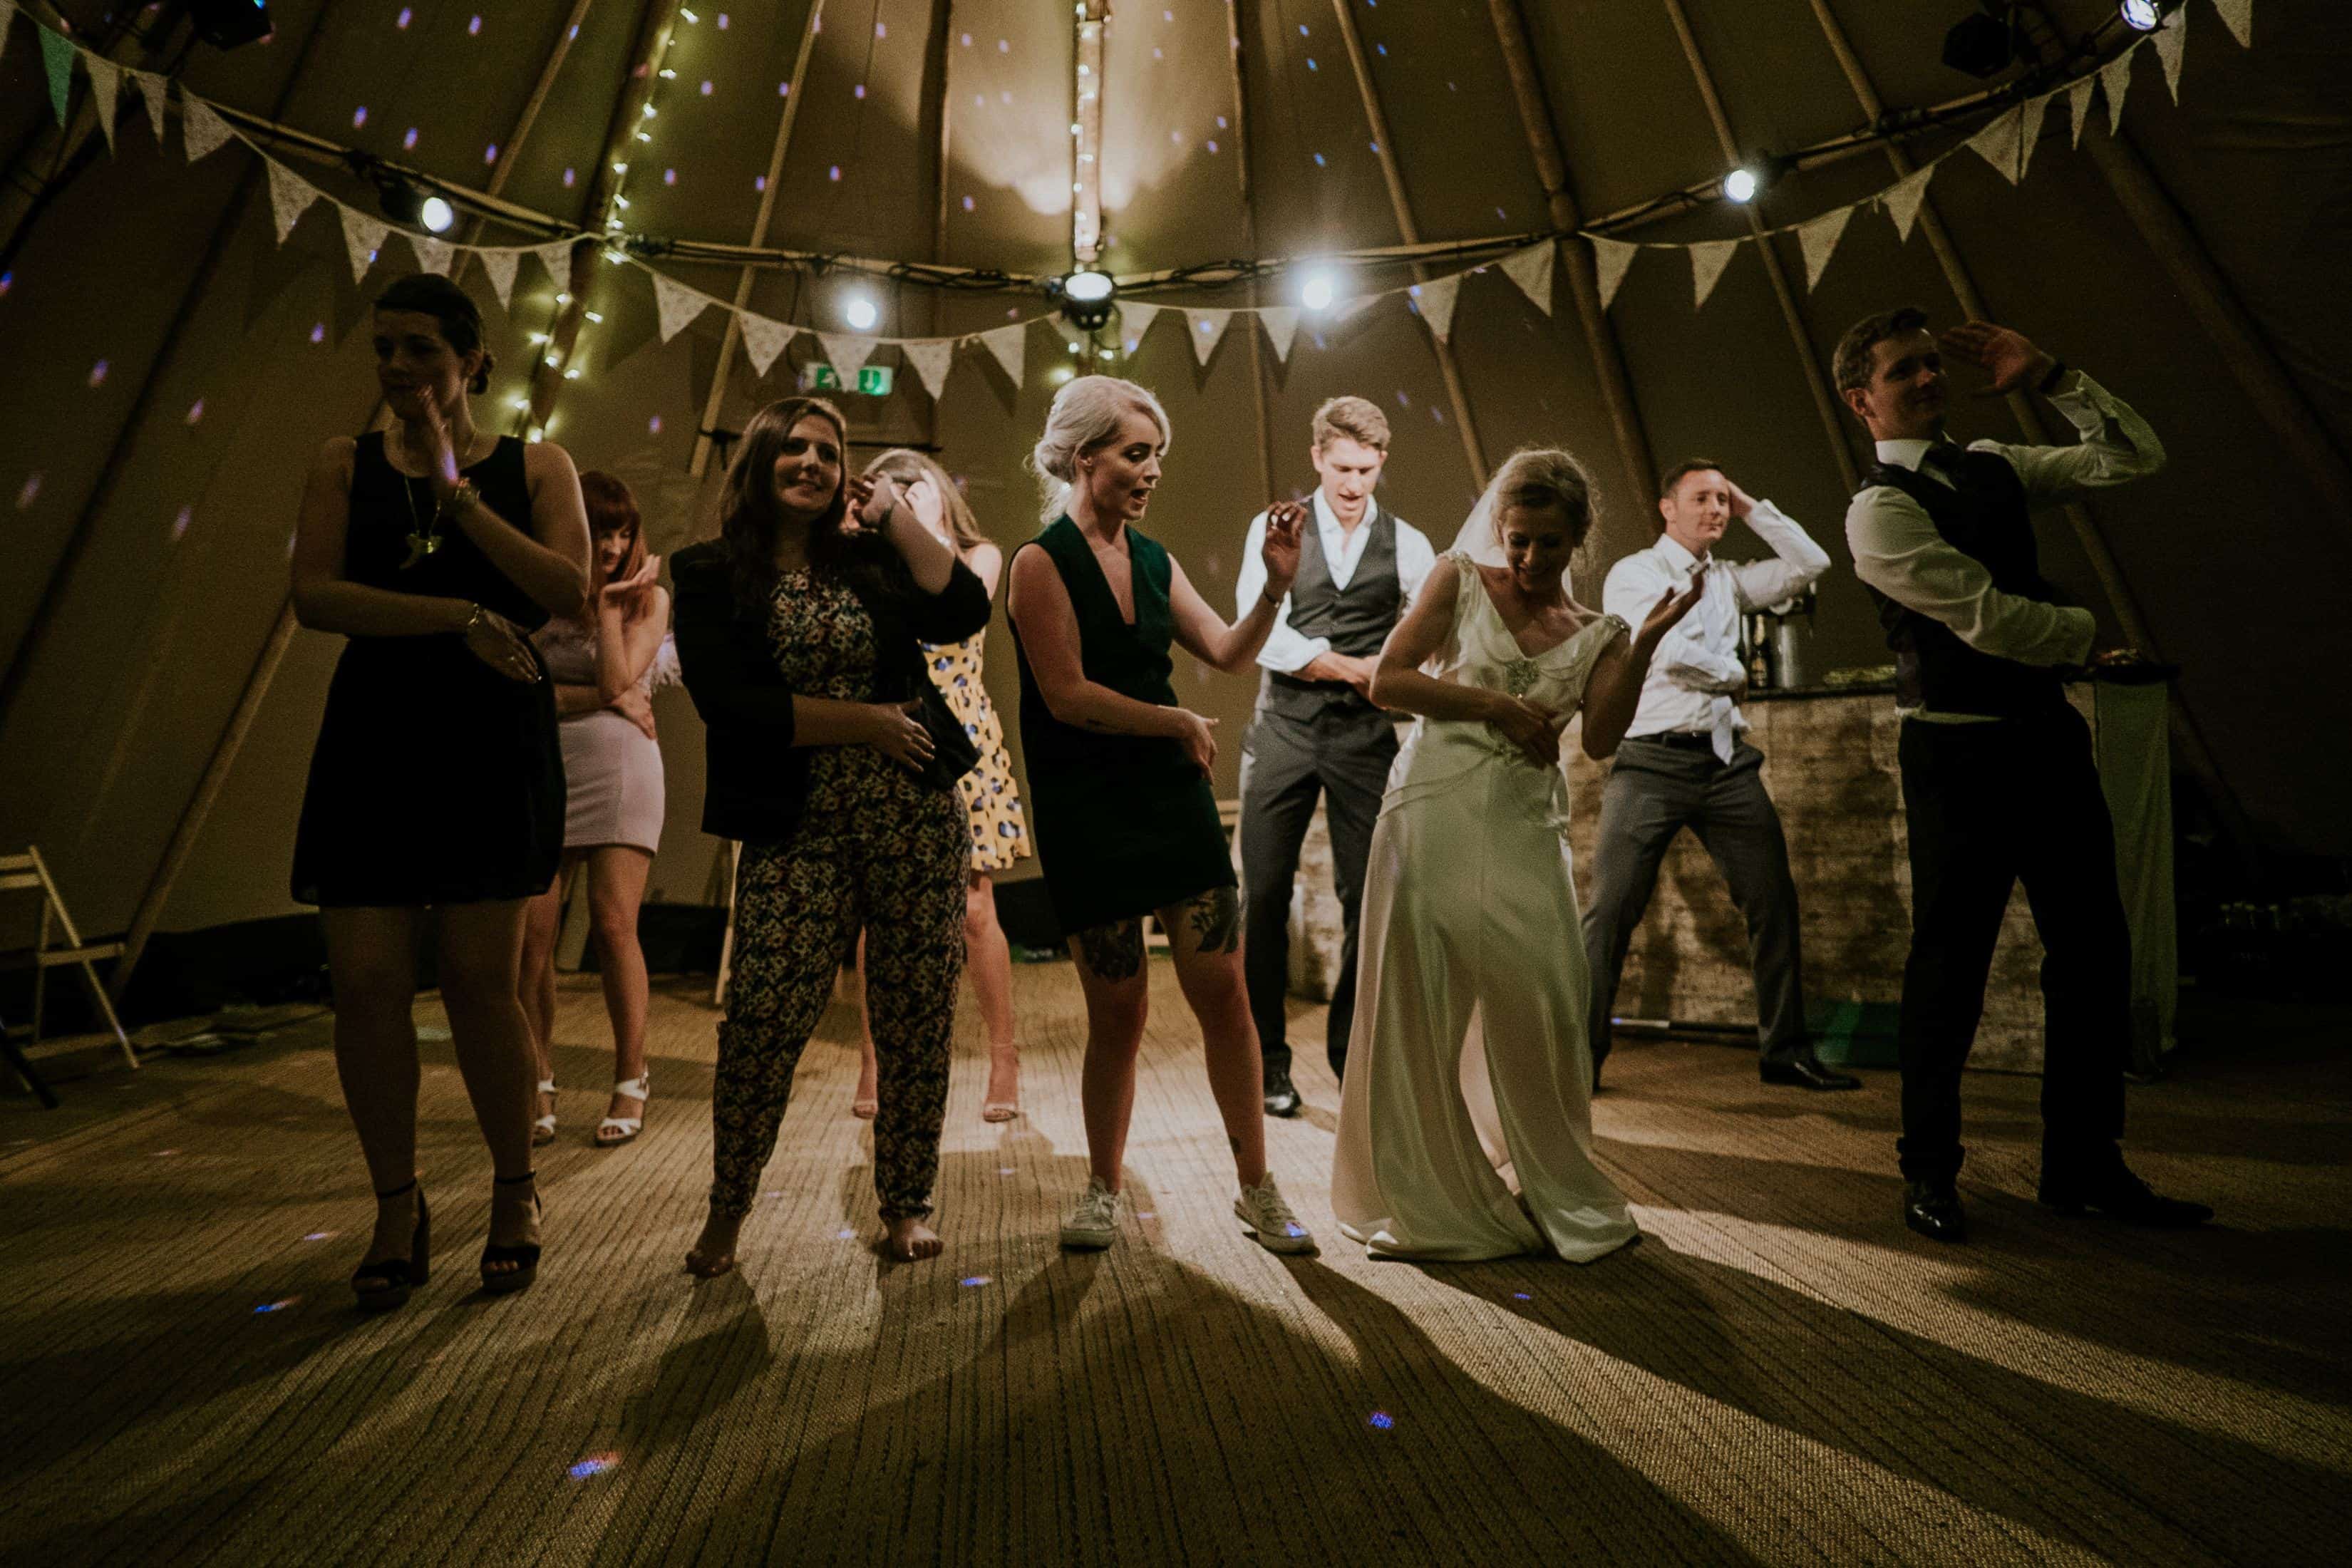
798 632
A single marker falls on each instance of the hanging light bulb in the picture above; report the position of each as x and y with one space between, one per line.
1742 185
2147 15
860 313
1318 292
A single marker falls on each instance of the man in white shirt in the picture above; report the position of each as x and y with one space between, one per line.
1999 783
1316 729
1684 761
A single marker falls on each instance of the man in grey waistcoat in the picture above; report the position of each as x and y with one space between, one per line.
1317 731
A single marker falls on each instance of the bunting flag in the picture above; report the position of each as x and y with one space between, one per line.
500 265
362 236
1819 239
2238 15
2171 45
432 255
2115 77
1997 143
202 128
556 257
1010 344
151 88
2078 105
677 303
1903 200
2029 130
1208 326
763 338
930 357
1531 271
58 54
105 87
1708 258
1610 258
1135 319
1436 299
848 353
290 196
1281 324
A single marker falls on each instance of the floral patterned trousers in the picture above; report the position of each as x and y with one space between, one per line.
892 865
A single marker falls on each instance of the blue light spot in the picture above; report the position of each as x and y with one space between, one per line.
593 1465
474 28
318 333
1310 62
1521 1296
1318 160
653 426
359 117
1382 1420
405 13
8 282
976 1280
833 172
409 140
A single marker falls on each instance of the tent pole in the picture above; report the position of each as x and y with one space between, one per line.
1446 366
943 53
1249 244
717 398
1583 281
1816 381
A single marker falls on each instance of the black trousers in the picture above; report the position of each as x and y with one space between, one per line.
1343 755
1990 805
1654 792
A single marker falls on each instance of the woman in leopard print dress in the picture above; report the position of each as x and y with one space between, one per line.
799 633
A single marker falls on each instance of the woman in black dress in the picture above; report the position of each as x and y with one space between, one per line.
800 633
1119 779
437 782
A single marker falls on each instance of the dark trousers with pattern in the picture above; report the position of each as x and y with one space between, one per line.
1343 755
799 906
1654 791
1989 805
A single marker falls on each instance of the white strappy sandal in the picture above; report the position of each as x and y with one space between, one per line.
616 1131
543 1128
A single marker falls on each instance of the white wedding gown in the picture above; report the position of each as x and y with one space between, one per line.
1465 1118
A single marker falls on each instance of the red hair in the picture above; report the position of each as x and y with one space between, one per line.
611 507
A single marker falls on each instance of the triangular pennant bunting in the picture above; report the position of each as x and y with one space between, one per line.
500 265
932 358
1134 320
290 196
1819 239
764 340
432 255
362 236
105 86
1610 258
1010 344
1531 271
2171 45
556 257
202 128
1997 143
1281 324
2029 130
1208 326
1708 260
847 353
2115 77
1903 199
57 53
1436 299
151 89
2078 105
677 303
2238 15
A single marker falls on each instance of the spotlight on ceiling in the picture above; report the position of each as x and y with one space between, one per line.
1085 298
1318 292
2147 15
860 313
403 203
225 24
1742 185
1982 45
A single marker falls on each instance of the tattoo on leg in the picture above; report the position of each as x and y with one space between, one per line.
1216 918
1114 951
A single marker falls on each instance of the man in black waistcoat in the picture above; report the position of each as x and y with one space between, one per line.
1315 730
1998 784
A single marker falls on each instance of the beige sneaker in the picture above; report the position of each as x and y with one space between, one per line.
1264 1214
1093 1223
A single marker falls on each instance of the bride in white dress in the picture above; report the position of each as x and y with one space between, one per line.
1465 1123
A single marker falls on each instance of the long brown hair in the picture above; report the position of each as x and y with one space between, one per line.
611 507
748 513
906 466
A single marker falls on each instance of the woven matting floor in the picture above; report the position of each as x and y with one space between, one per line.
1780 1374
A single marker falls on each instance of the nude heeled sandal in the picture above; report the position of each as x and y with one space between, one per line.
543 1128
616 1131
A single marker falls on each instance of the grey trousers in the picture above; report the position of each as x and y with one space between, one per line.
1654 792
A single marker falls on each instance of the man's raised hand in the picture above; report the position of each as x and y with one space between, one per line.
2009 357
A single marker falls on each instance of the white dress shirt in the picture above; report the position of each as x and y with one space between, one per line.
1898 550
1697 669
1286 652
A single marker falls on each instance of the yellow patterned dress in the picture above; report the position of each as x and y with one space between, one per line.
1000 835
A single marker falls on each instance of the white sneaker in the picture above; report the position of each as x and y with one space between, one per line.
1093 1223
1262 1210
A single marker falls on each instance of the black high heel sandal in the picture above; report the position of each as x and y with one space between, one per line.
523 1255
380 1287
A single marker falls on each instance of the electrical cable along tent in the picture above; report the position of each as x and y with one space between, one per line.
1506 222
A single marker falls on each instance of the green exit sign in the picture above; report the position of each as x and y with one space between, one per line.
873 380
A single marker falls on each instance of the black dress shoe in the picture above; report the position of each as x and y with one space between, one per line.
1805 1072
1933 1209
1281 1099
2121 1195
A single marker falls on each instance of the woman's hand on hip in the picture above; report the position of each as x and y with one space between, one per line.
1198 736
637 708
898 734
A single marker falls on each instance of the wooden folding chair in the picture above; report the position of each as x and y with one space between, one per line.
27 873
